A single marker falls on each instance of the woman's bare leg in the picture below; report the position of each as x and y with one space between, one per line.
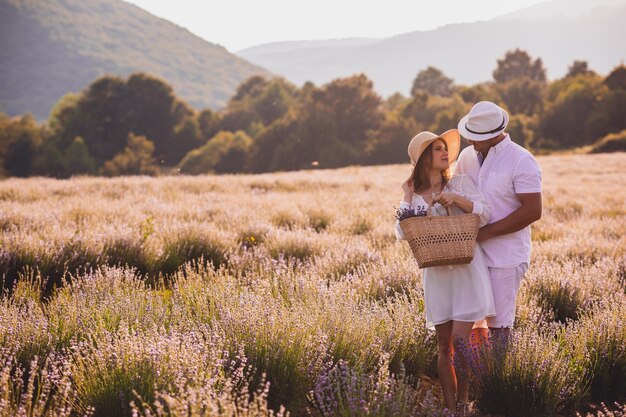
461 341
447 377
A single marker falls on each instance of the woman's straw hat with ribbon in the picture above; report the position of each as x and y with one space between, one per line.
420 142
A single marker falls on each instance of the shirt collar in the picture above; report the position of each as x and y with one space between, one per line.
499 147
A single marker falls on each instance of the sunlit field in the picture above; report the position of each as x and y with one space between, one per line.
288 293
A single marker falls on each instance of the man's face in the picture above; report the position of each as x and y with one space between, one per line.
480 146
483 146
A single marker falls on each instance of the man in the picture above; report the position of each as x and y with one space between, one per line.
510 178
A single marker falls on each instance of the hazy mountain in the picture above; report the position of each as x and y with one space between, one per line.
51 47
559 9
558 32
289 46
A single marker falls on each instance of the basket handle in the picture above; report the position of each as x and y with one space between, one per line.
432 205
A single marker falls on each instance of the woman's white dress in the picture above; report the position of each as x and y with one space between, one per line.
457 292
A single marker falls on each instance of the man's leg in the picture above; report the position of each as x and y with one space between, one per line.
505 283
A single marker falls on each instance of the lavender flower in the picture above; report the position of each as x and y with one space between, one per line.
405 213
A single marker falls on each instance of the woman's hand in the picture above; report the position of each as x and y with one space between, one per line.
407 187
446 199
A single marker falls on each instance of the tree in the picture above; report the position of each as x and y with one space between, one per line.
326 125
20 139
19 156
77 158
388 144
110 108
479 92
608 115
578 68
61 112
258 102
99 117
273 103
616 80
393 102
136 159
518 64
50 161
5 139
234 154
522 95
187 136
207 122
520 82
432 81
280 147
448 111
353 105
435 113
226 152
520 129
251 87
333 121
237 116
417 108
569 102
155 112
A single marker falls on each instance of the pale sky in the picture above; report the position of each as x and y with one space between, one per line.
239 24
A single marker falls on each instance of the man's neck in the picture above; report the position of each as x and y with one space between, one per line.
496 141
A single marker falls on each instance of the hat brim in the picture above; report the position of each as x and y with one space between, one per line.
478 137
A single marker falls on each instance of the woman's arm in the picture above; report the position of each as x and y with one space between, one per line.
407 187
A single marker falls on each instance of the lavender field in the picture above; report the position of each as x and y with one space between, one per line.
288 293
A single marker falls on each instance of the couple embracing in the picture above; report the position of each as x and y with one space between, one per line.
500 182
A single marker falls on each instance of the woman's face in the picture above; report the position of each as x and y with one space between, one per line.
440 155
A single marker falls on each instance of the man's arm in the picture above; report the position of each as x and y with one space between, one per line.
527 213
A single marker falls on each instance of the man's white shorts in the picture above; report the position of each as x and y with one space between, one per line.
505 283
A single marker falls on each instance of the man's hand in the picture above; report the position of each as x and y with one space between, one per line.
483 234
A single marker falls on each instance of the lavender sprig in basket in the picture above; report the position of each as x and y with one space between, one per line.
404 212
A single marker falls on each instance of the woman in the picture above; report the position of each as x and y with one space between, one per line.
455 297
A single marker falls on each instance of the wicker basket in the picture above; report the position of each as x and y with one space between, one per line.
441 240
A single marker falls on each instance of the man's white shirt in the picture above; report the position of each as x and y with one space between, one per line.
508 169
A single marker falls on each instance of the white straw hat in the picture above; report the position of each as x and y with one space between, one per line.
485 120
420 142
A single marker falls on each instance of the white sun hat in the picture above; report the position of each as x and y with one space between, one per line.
420 142
485 120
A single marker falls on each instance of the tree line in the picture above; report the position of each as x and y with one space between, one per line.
138 125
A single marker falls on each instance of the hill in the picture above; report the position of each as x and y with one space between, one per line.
465 52
51 47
